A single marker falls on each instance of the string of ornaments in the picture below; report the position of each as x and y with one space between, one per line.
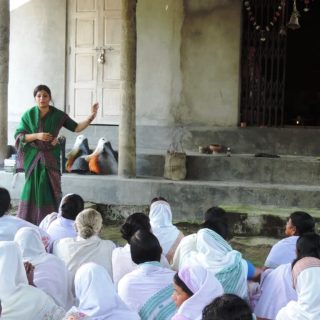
278 15
274 19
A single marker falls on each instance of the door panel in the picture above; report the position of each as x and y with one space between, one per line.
94 31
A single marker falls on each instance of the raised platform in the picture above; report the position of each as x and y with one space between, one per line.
213 180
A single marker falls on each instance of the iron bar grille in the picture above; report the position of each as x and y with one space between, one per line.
263 65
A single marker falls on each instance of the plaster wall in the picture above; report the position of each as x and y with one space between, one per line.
188 62
37 53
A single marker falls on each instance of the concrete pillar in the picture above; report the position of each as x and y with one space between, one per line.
127 129
4 75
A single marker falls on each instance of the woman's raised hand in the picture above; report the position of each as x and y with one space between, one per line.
94 110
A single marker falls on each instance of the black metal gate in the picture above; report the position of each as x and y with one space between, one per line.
263 62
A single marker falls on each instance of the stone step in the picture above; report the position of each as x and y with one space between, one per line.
239 167
189 199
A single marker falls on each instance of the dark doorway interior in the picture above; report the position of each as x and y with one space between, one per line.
302 87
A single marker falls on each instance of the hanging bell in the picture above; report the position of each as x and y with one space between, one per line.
294 22
294 19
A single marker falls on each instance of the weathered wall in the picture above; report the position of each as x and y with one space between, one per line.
37 53
159 26
187 63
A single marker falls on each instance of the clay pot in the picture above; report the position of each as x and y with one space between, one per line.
215 148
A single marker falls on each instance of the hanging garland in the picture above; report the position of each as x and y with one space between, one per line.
267 28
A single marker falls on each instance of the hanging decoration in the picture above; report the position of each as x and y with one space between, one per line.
294 19
263 30
306 3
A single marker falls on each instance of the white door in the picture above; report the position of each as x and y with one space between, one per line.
94 29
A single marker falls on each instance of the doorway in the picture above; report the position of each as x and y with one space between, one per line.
280 71
302 90
93 73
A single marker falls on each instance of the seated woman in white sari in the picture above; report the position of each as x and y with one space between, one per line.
60 224
50 273
195 287
97 296
306 281
275 292
214 253
121 257
228 307
148 289
9 225
19 300
215 219
87 246
168 235
284 251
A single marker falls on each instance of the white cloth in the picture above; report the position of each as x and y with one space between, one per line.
97 296
284 251
9 225
161 222
123 264
57 226
50 274
19 300
205 288
213 252
275 291
77 251
185 247
148 290
308 305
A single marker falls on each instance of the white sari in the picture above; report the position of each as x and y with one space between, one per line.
97 296
148 290
168 235
284 251
214 253
19 300
77 251
123 264
50 274
275 291
205 288
306 279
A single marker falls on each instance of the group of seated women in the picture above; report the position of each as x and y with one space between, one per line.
64 270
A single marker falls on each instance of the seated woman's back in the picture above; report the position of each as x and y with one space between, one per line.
50 273
19 300
87 246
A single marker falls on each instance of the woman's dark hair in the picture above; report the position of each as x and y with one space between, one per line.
72 205
308 245
5 201
302 221
133 223
179 282
144 247
215 219
158 199
227 307
41 87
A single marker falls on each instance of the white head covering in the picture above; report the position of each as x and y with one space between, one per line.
50 274
19 300
215 253
205 288
161 222
97 295
306 275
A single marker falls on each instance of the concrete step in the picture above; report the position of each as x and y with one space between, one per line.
239 167
189 199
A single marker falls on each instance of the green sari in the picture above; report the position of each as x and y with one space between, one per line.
40 161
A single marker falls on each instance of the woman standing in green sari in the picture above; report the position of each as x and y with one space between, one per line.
39 154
